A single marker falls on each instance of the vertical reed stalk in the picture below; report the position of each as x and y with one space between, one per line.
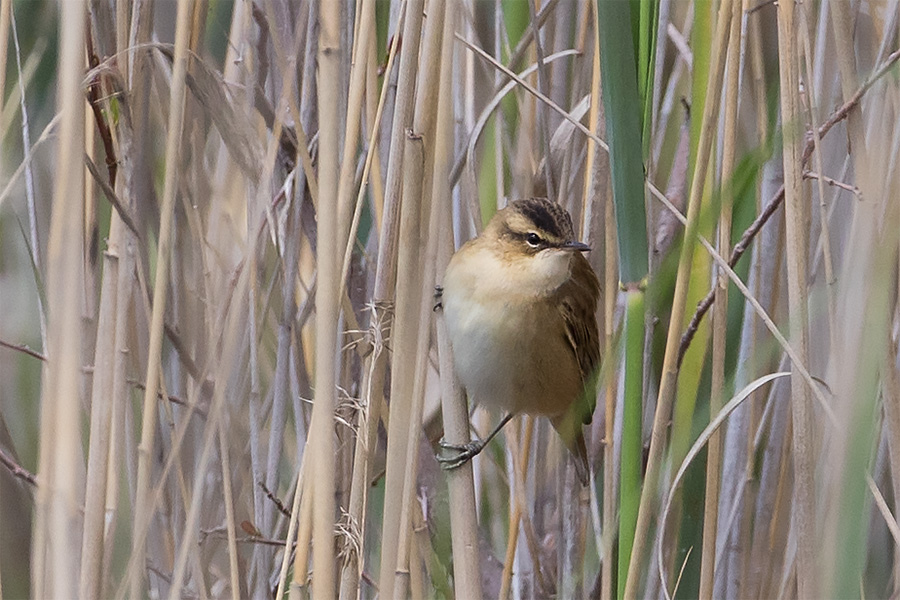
842 21
101 411
463 517
623 110
632 442
144 509
60 468
610 527
33 238
720 311
5 14
804 516
415 282
365 31
231 533
406 410
825 235
398 424
327 302
367 421
667 386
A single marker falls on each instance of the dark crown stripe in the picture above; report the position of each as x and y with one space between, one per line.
546 215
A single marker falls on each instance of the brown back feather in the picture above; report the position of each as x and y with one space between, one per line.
578 299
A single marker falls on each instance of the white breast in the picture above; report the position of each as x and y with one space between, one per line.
498 327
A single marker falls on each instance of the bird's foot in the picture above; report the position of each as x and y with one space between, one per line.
438 294
458 454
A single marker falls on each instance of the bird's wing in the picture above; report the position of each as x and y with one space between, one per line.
578 304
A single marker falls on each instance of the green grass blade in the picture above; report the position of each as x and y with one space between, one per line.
623 128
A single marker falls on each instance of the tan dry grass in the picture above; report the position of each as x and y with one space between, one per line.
263 276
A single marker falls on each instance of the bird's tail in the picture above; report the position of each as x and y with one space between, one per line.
570 432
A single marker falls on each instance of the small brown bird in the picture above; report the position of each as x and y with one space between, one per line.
519 303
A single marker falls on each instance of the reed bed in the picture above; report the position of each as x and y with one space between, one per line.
221 228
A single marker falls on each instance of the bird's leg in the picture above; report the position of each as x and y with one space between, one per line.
463 453
438 294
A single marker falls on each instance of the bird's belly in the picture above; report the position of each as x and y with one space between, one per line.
506 360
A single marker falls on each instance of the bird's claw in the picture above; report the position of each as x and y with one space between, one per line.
438 294
462 453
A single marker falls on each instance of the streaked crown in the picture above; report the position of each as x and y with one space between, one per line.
533 223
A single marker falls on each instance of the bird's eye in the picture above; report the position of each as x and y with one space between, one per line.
533 239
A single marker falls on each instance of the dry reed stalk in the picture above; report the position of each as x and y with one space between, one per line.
92 550
795 225
25 79
715 423
321 442
463 524
759 310
667 388
372 99
233 570
33 239
574 500
297 513
125 286
867 309
60 469
499 127
123 242
301 559
825 235
891 407
375 115
412 519
543 114
891 394
591 190
101 489
5 13
144 510
596 195
406 408
416 274
842 21
367 420
739 460
397 426
230 340
720 317
365 31
291 257
519 447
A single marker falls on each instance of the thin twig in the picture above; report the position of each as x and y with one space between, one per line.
94 99
836 117
170 397
17 470
110 194
275 500
834 182
24 350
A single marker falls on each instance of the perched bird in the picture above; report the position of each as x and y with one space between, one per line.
519 303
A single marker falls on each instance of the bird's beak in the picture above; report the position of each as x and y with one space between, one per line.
576 246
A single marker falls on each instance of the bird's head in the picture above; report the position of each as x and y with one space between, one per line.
536 236
529 227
